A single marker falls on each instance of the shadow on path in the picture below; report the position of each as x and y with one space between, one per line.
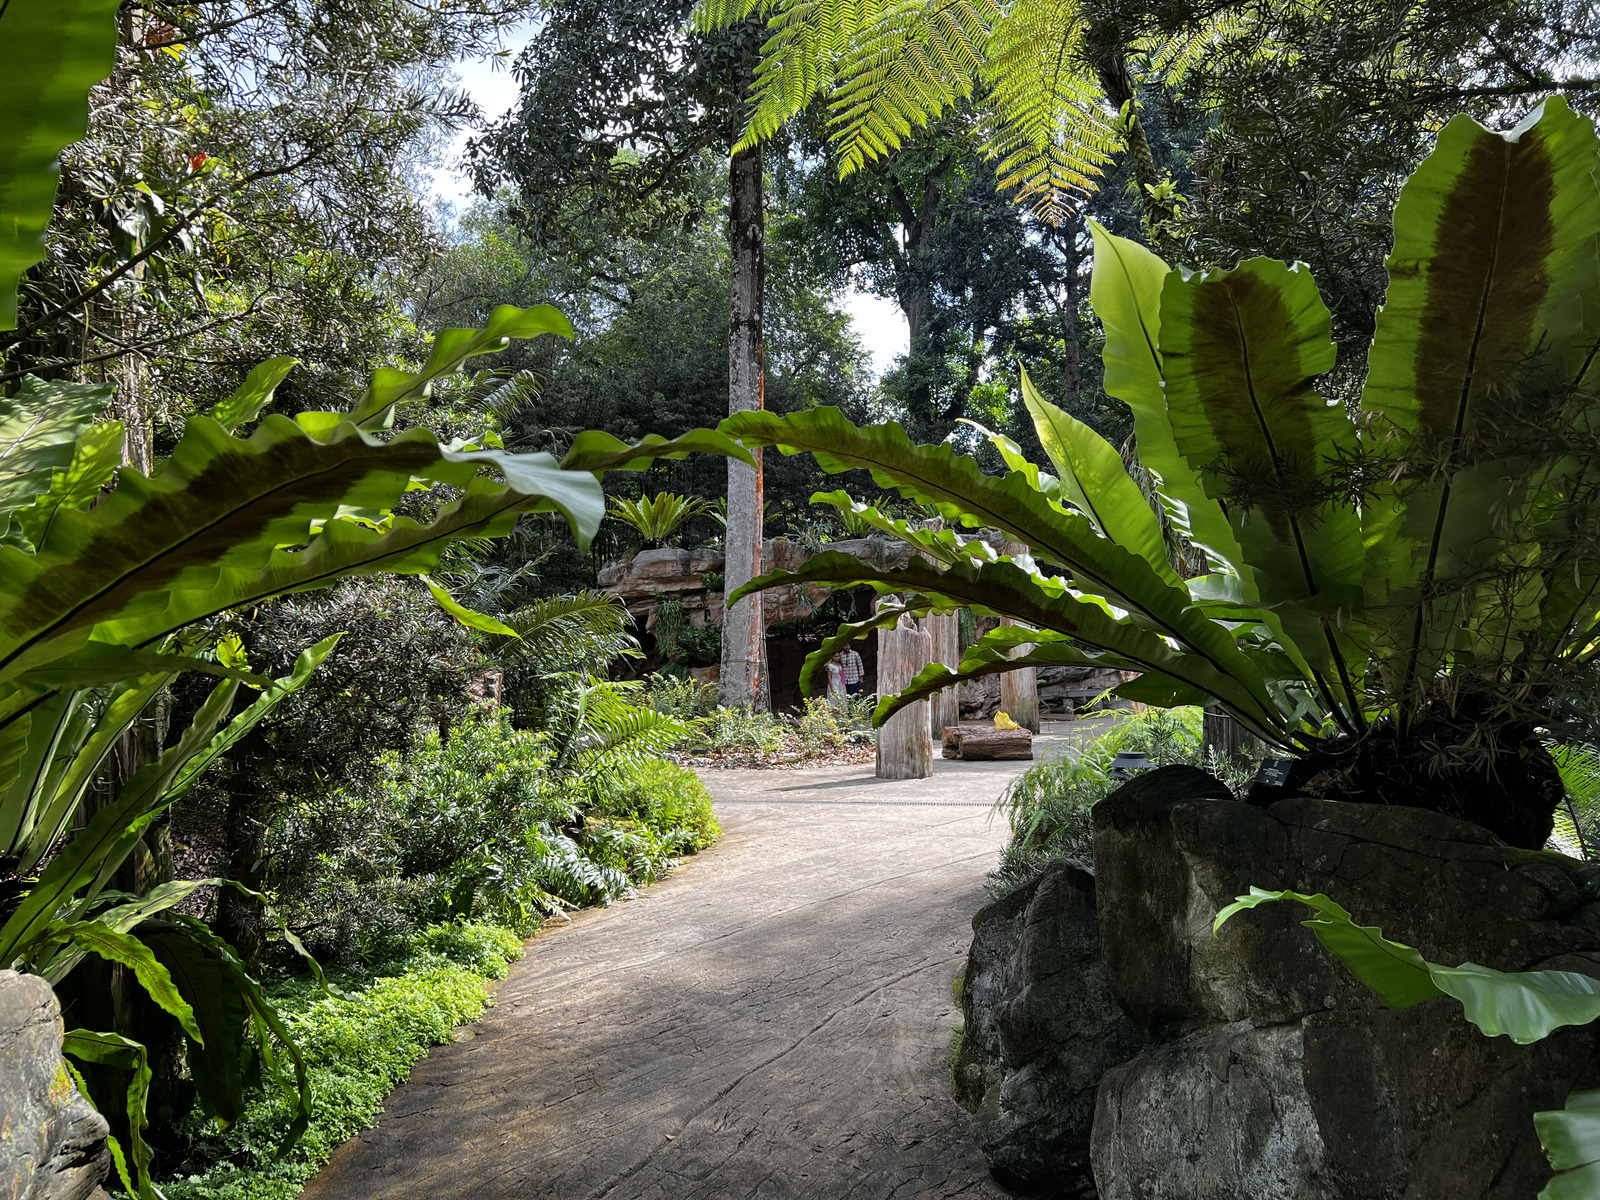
772 1022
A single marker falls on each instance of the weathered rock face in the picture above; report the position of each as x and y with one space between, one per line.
54 1144
1280 1077
1254 1066
1041 1030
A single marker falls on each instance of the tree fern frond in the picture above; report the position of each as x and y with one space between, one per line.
709 16
580 627
1049 124
905 69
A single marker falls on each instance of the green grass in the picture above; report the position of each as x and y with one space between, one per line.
358 1051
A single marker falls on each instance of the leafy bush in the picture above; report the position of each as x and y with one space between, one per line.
739 729
358 1050
669 800
681 697
479 826
819 725
1048 805
701 647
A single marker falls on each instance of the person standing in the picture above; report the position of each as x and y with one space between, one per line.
852 670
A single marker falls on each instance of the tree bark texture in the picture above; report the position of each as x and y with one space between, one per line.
1226 736
944 633
744 678
1111 65
985 743
1019 690
905 751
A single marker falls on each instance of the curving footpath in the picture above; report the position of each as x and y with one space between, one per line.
771 1022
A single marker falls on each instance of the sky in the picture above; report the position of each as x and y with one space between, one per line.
878 322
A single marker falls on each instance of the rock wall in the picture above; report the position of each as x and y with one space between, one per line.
52 1142
1259 1067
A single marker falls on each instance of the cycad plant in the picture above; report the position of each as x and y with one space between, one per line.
1394 593
658 517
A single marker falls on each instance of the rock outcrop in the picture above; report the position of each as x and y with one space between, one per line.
52 1142
1261 1067
1041 1030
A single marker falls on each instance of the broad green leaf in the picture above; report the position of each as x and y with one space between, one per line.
1009 589
254 393
114 1050
1571 1140
1397 973
1095 480
84 864
305 666
1526 1006
942 545
130 952
465 615
224 502
96 455
41 730
38 429
451 348
1240 351
51 53
121 709
962 493
1125 291
987 658
596 450
1494 251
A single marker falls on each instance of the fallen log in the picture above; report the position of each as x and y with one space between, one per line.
985 743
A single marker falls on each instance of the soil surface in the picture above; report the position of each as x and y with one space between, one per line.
773 1021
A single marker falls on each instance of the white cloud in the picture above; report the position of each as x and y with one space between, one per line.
879 324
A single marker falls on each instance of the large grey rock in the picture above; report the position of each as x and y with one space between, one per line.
1281 1076
52 1143
1041 1030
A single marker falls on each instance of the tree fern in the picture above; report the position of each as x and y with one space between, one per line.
561 633
889 67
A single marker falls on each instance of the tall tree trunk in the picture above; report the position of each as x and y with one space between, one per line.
744 631
1111 64
241 917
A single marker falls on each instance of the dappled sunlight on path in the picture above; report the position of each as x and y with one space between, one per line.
771 1022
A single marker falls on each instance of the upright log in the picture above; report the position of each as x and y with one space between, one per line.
905 749
1019 690
944 708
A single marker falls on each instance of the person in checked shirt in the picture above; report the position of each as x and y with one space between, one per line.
853 670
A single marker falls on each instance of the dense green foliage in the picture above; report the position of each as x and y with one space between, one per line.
1371 592
1048 806
359 1045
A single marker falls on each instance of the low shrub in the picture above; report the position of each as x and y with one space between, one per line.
1048 805
358 1049
819 725
668 799
477 826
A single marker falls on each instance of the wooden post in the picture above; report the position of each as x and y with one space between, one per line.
1226 736
905 751
944 708
1019 690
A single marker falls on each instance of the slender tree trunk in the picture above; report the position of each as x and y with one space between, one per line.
241 918
1117 81
744 676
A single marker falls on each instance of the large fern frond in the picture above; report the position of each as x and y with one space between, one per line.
558 632
1047 122
904 69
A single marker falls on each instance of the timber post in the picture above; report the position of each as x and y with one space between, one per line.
905 749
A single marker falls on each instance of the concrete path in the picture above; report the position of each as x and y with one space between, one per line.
772 1022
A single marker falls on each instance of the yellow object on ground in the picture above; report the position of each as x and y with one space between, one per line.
1002 721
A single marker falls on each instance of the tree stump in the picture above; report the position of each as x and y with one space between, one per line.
985 743
905 750
1019 690
944 708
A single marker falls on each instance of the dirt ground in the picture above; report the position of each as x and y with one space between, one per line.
772 1021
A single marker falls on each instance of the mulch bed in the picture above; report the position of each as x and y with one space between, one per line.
793 755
